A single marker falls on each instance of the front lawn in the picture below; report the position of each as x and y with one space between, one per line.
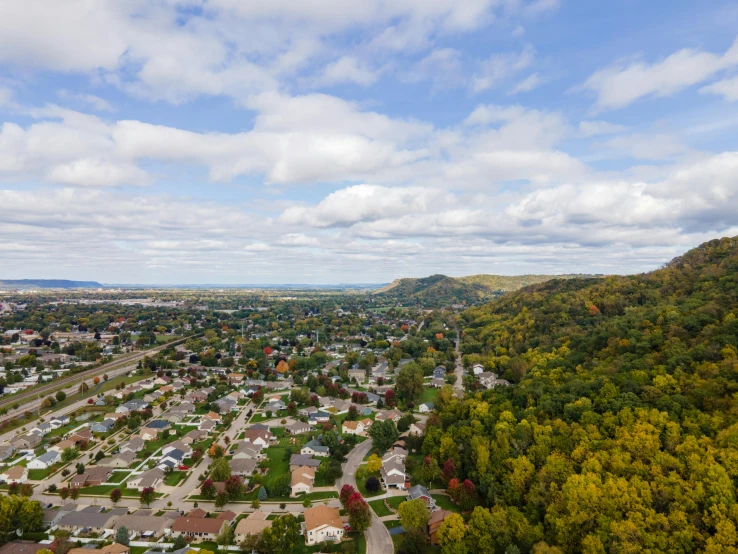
395 501
445 503
174 478
39 474
379 508
118 476
104 490
361 484
276 463
428 395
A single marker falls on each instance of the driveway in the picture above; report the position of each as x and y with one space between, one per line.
378 540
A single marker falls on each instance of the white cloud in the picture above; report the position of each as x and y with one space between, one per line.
727 88
622 84
442 67
346 69
593 128
528 84
91 100
500 67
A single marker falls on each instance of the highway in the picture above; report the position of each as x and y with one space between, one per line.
31 398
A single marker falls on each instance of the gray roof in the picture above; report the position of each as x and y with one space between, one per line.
90 519
49 457
316 445
418 491
303 460
175 454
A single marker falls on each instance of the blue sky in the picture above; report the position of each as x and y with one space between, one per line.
228 141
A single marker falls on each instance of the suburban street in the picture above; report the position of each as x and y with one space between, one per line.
378 539
458 385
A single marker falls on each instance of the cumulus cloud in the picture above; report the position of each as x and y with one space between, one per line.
623 83
727 88
528 84
499 67
594 128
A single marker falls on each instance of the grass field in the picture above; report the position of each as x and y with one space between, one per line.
38 474
174 478
360 483
379 508
444 502
276 463
395 501
428 395
104 490
118 476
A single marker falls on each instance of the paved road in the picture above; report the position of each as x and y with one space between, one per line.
378 540
458 385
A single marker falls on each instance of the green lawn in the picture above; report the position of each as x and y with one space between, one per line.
276 464
104 490
445 503
395 501
174 478
118 476
392 524
321 480
428 395
359 542
379 508
39 474
360 483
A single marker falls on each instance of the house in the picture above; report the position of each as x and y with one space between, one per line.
92 519
426 407
319 417
163 380
173 458
315 448
236 378
396 455
275 406
419 491
6 451
59 421
439 372
152 396
392 415
323 524
297 428
198 396
253 524
198 527
477 369
83 435
242 467
352 427
437 383
392 474
122 460
92 476
177 445
29 440
148 434
134 405
103 426
174 417
302 480
261 438
212 416
158 424
298 460
196 435
45 460
416 428
15 474
22 547
489 380
307 412
206 425
115 548
248 451
148 526
153 478
136 444
42 429
436 518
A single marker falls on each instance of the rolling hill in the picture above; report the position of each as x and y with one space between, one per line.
439 290
49 284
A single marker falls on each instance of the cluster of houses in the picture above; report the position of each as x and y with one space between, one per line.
488 379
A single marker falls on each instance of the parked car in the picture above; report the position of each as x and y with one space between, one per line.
184 468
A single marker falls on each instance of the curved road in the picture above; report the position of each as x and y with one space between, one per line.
378 540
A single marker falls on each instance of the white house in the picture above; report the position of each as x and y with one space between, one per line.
323 524
425 408
45 460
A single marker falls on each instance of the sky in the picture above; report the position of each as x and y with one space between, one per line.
335 141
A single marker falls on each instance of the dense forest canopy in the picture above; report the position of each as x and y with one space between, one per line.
620 431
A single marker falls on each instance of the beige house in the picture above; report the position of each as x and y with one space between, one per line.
15 474
352 427
253 524
302 480
323 524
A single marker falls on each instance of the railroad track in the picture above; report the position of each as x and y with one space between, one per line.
65 382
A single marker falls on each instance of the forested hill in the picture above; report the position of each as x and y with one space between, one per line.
620 430
49 284
443 290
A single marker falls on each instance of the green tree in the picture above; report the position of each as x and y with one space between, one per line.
281 486
414 514
383 434
283 535
61 396
180 542
220 470
221 499
121 536
451 535
409 382
262 496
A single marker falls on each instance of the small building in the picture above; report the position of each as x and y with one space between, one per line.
303 479
323 524
297 428
436 518
426 407
253 524
315 448
198 527
45 460
92 476
419 491
153 478
15 474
